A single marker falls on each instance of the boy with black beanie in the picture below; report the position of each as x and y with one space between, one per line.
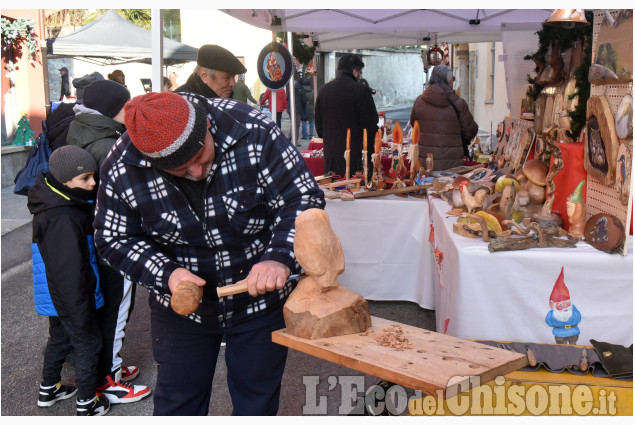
65 279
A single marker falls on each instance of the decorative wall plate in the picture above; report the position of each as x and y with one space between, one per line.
604 232
624 118
602 143
274 66
613 49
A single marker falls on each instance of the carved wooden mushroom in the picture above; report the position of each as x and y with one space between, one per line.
536 172
508 186
320 307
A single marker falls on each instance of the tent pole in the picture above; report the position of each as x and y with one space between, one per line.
274 94
157 50
292 114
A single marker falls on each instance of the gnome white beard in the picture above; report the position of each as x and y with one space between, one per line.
562 315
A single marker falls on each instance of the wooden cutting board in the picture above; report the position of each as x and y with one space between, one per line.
437 364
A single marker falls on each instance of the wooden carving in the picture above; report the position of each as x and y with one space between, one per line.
320 307
602 143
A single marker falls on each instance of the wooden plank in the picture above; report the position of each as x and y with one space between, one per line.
384 192
436 362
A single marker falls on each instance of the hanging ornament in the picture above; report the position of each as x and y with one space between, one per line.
446 54
435 54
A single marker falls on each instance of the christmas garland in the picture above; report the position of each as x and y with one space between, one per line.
17 32
303 53
566 38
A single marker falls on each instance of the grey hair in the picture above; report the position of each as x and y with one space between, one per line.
441 74
209 71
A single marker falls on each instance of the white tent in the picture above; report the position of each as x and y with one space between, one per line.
343 29
339 29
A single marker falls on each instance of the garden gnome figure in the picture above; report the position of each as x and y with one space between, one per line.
564 317
320 307
576 211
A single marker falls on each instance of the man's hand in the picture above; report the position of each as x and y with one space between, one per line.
267 276
179 275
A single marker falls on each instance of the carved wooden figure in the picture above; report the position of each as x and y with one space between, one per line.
320 307
576 211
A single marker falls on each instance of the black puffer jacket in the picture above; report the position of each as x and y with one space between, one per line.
63 233
341 104
444 122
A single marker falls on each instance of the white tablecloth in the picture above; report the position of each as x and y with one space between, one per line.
505 295
385 244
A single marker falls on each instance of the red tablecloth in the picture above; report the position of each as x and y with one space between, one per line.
568 178
315 145
315 165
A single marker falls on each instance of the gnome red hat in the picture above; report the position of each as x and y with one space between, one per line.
560 292
166 128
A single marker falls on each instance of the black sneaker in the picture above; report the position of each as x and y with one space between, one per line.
52 394
96 406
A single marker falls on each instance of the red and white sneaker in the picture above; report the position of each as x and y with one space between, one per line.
121 392
129 373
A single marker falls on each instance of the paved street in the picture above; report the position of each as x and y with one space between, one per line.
24 335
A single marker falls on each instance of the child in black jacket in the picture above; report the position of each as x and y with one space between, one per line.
65 277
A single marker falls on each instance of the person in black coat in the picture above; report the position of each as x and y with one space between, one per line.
65 89
342 104
65 282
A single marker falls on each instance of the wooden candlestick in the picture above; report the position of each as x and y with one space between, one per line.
365 157
347 154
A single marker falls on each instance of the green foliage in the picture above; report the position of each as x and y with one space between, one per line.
15 34
581 74
303 53
566 38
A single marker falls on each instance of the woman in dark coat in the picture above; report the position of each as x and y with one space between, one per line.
445 122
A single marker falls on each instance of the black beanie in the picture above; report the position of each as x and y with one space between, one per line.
106 96
69 161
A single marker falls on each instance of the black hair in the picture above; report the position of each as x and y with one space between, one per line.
349 62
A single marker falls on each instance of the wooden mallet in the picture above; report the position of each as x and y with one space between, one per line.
186 298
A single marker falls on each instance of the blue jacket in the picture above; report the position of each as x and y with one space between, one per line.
258 184
65 274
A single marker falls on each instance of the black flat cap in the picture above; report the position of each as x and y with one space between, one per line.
215 57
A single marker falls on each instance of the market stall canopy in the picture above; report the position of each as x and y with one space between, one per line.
111 39
338 29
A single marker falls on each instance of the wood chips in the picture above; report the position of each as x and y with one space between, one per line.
393 337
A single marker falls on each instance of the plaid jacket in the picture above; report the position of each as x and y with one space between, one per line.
258 184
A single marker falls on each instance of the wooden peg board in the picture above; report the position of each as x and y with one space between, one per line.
602 198
437 362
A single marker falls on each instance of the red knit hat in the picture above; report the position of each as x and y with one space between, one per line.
166 128
560 291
